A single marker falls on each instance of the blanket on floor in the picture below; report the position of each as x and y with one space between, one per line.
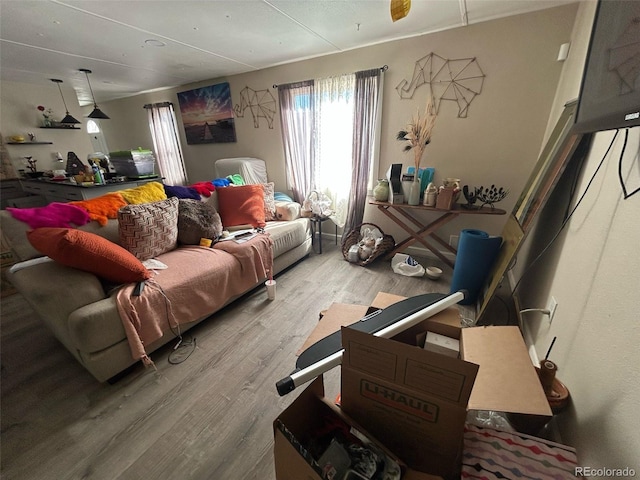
197 282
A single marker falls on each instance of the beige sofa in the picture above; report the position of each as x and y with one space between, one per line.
84 317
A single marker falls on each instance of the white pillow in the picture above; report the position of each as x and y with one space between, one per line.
287 211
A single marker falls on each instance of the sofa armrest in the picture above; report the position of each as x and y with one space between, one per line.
96 326
54 290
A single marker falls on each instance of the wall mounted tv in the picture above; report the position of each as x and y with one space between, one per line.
610 91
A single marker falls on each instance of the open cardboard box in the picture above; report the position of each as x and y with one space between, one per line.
506 381
308 413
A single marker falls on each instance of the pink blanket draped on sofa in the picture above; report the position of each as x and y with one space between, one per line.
197 282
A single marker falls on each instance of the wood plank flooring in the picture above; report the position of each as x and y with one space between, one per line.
207 418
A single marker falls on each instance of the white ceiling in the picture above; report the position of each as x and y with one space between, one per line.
44 39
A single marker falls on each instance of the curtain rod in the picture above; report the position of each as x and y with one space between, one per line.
160 104
383 68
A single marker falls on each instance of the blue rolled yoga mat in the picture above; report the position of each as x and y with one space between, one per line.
477 252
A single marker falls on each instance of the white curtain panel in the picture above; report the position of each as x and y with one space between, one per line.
333 143
166 143
296 120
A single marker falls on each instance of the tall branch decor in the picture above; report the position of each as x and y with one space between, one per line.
417 133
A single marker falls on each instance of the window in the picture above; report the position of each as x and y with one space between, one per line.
329 129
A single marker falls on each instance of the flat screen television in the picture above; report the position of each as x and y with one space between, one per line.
610 90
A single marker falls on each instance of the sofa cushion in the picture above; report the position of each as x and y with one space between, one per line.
197 220
149 229
89 252
241 205
288 235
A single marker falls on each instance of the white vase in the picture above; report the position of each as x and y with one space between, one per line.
381 191
414 193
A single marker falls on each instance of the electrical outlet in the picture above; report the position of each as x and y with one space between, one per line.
453 240
552 306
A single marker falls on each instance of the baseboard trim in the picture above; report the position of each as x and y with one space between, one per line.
425 252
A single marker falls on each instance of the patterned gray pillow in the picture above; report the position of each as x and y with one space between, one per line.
149 229
197 220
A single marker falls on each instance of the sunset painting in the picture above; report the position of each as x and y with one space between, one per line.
207 114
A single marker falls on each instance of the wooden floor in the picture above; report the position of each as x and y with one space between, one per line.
207 418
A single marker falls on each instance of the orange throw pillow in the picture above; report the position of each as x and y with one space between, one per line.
89 252
241 205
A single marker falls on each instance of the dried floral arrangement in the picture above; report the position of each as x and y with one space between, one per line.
418 133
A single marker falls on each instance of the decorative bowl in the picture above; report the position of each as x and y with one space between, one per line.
433 273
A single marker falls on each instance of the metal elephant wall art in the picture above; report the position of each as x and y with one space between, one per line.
458 80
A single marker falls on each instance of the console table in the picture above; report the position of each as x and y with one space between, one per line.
404 215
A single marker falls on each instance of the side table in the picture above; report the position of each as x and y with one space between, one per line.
316 227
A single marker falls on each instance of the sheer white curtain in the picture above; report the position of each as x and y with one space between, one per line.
334 141
329 130
296 120
166 143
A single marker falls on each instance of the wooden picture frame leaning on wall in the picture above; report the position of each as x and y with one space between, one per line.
553 160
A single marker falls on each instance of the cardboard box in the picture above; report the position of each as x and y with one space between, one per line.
343 314
309 412
414 399
506 381
442 344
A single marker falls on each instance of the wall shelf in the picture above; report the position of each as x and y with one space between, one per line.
60 127
29 143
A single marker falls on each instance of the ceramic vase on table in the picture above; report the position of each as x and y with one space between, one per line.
414 193
381 191
430 195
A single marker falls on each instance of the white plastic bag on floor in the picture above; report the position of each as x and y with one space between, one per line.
406 265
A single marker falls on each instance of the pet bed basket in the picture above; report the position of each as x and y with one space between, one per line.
353 238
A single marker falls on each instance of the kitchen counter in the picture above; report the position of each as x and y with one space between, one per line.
66 191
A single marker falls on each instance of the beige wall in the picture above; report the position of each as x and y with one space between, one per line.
19 115
498 142
593 271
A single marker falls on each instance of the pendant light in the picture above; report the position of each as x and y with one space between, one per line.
97 113
68 119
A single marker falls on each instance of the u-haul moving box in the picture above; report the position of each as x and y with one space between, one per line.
292 437
414 399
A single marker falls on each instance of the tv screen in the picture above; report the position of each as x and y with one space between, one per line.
610 91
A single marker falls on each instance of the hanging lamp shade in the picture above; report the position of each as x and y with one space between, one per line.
68 119
96 113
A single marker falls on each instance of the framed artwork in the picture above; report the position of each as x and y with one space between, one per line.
207 114
558 151
553 160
